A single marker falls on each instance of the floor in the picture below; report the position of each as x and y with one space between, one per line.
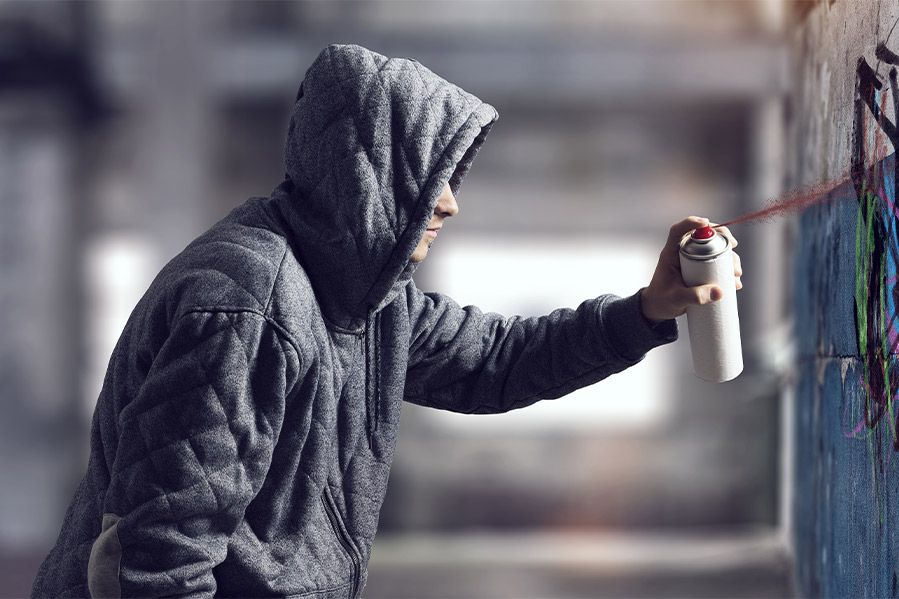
562 567
531 566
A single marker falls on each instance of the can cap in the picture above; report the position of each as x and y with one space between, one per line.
703 244
703 233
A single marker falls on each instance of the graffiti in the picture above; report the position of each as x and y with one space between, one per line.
876 249
846 503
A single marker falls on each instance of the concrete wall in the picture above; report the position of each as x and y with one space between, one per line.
846 467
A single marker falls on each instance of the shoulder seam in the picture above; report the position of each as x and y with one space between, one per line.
271 292
279 329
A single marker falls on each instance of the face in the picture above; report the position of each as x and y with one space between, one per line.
446 206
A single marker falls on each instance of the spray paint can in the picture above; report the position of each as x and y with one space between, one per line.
706 257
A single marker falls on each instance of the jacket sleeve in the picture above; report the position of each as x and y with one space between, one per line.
193 448
464 360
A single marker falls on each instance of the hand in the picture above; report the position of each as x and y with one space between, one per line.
667 296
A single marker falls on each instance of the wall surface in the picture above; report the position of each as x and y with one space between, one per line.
846 496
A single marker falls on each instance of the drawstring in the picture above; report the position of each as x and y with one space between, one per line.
377 395
371 396
368 410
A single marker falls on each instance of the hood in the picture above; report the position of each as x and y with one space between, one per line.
371 143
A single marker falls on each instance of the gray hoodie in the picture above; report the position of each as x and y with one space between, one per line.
243 437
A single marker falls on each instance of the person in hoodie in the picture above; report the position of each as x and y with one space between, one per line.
243 436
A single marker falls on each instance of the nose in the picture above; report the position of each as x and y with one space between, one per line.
446 203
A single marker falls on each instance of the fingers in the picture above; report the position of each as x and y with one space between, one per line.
699 295
738 267
727 234
679 229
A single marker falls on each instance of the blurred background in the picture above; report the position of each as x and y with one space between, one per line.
128 128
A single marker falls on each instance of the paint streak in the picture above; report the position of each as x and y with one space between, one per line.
867 85
801 198
794 201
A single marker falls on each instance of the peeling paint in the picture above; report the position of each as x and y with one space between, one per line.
844 366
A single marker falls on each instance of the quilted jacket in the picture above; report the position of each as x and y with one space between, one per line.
243 437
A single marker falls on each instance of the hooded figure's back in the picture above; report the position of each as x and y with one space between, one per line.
243 437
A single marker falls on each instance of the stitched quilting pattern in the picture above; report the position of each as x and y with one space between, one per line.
237 392
195 445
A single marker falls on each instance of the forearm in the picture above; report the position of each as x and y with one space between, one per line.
474 362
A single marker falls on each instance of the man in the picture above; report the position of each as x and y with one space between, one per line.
244 434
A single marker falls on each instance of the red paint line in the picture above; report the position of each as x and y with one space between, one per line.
794 201
801 198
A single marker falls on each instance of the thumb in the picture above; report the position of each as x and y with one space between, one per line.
711 293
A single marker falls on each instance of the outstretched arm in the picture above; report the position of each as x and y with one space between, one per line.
464 360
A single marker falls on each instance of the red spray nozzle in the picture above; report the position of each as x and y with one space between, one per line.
703 233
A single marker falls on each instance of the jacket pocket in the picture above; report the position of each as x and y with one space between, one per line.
343 535
340 592
105 559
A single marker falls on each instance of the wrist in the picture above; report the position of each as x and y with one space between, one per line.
646 307
629 332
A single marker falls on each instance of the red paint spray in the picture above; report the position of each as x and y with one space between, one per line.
795 201
803 197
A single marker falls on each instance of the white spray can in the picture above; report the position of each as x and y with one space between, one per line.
706 257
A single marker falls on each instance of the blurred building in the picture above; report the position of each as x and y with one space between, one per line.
616 120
